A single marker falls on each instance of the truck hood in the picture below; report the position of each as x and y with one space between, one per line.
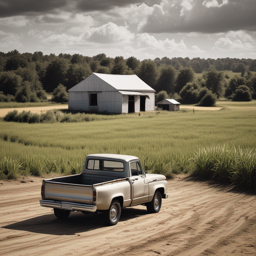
154 177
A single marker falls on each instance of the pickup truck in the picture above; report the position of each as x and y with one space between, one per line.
107 183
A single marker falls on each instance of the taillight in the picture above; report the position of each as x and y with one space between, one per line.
94 195
42 191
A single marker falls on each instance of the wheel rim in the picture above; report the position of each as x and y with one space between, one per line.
114 213
157 203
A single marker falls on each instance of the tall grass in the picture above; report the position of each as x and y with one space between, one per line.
226 164
164 142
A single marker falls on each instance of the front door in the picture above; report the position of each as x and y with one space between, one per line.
139 184
142 103
131 104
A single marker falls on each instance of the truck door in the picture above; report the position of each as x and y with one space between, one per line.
139 184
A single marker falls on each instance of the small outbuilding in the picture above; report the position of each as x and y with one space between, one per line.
111 94
169 104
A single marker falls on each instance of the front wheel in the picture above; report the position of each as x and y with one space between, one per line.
61 214
155 205
112 215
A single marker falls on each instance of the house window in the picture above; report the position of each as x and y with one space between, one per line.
93 100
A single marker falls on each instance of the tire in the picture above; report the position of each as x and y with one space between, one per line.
155 205
112 215
61 214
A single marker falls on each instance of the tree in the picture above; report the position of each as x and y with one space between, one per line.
77 59
251 83
10 82
185 76
215 81
208 100
132 63
166 79
190 92
76 73
60 94
25 93
103 70
15 62
162 95
148 72
55 74
202 93
233 85
242 93
121 68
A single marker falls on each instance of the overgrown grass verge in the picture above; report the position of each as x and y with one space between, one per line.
12 169
226 164
52 116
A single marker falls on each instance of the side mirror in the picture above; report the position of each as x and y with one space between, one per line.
145 172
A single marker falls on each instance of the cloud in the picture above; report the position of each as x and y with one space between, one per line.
17 21
147 41
8 40
103 5
50 38
214 3
109 33
235 40
21 7
203 16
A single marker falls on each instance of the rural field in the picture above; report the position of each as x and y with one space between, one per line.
198 218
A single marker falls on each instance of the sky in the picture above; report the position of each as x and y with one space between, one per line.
143 29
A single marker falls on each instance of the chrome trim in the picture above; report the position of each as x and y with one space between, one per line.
73 206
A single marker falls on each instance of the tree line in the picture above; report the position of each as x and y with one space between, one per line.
27 77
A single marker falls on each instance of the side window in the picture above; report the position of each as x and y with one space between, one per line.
135 168
93 164
93 100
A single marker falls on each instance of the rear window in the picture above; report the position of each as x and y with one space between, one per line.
105 165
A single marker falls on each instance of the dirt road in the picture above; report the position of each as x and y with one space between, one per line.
39 110
196 219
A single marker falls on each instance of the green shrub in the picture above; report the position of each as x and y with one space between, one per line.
34 118
208 100
242 93
10 116
60 94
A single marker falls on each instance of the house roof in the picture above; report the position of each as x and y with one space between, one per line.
118 82
168 101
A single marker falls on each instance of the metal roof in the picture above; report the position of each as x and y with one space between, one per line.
134 93
168 101
126 158
118 82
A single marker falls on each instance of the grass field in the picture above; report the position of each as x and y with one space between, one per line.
164 141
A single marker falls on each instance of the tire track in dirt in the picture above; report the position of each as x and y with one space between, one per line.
196 219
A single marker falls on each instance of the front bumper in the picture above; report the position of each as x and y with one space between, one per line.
165 196
68 206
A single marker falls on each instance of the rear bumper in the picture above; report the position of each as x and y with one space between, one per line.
68 206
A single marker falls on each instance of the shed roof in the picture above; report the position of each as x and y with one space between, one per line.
168 101
118 82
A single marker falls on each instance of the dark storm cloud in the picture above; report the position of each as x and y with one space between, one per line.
101 5
203 16
34 7
22 7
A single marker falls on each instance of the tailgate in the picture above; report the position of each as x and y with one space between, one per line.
67 192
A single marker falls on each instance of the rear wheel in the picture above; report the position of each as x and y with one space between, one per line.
61 214
112 215
155 205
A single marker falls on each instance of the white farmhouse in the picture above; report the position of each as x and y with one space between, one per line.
107 93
